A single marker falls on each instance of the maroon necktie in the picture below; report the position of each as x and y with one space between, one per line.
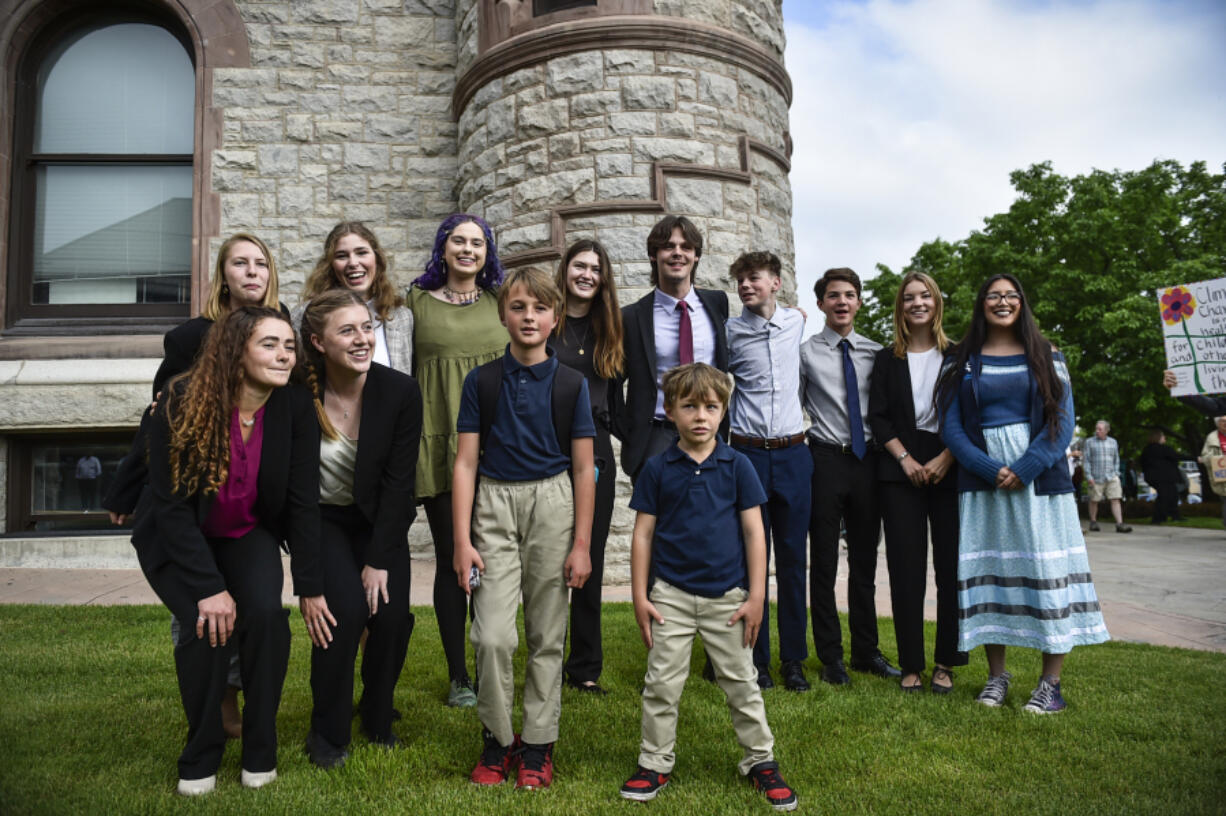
685 335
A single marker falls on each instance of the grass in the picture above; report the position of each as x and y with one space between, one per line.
91 723
1195 522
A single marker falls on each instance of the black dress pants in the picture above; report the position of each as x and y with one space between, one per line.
345 533
907 513
450 602
251 567
844 489
586 658
1166 505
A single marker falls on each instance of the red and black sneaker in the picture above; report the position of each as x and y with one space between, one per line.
644 785
765 777
496 761
535 767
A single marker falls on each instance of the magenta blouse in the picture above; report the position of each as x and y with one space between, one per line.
233 512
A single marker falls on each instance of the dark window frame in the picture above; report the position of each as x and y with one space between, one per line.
21 316
20 519
543 7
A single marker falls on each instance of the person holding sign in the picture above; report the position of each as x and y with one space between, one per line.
1213 457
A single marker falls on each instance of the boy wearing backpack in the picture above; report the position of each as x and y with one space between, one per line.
525 526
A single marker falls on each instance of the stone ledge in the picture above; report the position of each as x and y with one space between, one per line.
78 372
69 552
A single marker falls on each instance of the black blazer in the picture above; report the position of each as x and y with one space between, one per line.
1160 464
168 524
386 466
640 345
891 413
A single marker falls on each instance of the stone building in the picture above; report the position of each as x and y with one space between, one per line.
135 136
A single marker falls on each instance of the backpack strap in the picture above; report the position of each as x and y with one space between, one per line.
567 383
489 383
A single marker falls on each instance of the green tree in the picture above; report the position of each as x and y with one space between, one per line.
1092 253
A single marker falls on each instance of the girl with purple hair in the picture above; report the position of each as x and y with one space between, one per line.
456 329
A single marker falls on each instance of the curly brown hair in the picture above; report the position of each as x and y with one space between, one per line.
201 400
314 321
322 278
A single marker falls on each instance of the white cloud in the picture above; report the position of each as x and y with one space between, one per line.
908 116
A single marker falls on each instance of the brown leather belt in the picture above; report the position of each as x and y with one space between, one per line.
771 443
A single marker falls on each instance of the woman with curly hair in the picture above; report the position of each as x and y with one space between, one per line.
353 260
456 329
233 472
1006 408
370 420
588 338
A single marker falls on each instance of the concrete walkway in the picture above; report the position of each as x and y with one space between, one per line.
1159 585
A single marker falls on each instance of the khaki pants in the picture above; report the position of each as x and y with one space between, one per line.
523 531
668 664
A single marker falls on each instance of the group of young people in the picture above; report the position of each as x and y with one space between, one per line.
491 399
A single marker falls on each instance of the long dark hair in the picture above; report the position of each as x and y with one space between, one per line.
1036 346
490 276
606 311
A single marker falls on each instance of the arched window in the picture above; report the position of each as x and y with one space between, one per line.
102 215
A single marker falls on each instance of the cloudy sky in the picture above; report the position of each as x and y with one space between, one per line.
907 117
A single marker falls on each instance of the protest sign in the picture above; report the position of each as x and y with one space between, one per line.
1194 333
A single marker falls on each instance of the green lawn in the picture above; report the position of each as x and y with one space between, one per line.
90 723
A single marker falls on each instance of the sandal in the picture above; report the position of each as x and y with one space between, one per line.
919 683
942 672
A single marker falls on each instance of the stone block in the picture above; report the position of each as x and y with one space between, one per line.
404 32
717 90
299 127
618 144
775 200
594 104
510 174
575 163
346 187
695 196
728 156
234 159
308 54
563 146
438 146
553 189
648 93
385 182
316 174
404 205
500 120
623 187
628 244
244 77
383 6
614 164
324 11
277 98
348 74
683 150
339 53
295 199
226 181
435 82
236 97
266 13
543 119
266 131
537 161
295 79
486 94
278 159
523 78
239 211
319 102
344 131
366 157
622 61
368 98
574 73
677 125
530 95
521 238
739 198
632 124
391 128
687 90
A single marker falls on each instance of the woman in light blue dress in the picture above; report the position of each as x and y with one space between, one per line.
1023 575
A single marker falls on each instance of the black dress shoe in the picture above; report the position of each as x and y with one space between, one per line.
390 741
835 674
794 676
590 687
324 754
765 681
877 665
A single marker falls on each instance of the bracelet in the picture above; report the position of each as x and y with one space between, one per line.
903 455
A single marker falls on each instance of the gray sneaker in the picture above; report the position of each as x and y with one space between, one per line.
993 694
461 694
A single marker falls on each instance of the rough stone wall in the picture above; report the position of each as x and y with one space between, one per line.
760 20
345 113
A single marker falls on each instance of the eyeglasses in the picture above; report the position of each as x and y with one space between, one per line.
992 298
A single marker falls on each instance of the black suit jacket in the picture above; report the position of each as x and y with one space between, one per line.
168 523
891 413
638 323
386 466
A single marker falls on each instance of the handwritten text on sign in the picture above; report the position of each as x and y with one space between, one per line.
1194 333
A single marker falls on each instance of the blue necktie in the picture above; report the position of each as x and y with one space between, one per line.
854 417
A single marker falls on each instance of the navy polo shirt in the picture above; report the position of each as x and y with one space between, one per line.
523 444
698 545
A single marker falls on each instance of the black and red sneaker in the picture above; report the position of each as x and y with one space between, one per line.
496 761
535 767
765 777
644 785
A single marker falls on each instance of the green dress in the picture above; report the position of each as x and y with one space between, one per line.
448 342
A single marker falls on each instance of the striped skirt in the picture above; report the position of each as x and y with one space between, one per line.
1023 574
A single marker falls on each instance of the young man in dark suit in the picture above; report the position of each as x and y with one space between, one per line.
673 324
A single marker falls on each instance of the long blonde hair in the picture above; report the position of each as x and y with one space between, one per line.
322 278
902 333
217 305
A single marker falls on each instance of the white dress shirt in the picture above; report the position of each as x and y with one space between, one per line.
764 359
824 390
667 322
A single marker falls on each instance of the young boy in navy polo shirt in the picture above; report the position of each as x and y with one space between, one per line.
525 528
699 530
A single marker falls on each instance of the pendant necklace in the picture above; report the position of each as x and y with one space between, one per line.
586 328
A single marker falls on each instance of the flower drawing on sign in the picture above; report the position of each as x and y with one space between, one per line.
1177 305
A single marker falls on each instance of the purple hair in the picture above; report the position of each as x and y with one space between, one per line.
490 276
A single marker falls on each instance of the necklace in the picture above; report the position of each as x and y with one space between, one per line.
580 343
246 423
461 298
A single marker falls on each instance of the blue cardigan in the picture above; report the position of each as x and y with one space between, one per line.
964 428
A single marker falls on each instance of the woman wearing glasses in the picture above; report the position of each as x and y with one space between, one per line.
1023 574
